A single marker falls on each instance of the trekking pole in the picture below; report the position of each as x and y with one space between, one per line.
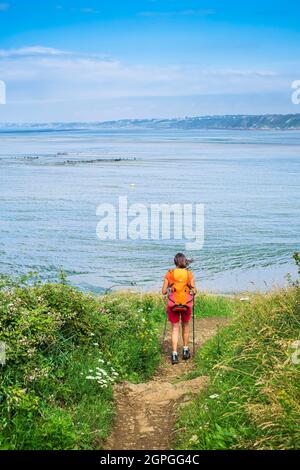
165 327
194 346
165 331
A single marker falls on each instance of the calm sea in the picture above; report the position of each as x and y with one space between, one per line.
51 184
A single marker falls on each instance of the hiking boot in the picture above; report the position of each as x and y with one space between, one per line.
174 358
186 354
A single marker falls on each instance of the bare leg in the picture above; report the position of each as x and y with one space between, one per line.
175 335
185 333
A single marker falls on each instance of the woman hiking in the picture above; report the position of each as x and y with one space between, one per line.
179 284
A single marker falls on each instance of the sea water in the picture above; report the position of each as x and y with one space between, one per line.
52 182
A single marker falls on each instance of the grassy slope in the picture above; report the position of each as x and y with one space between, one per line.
56 337
253 400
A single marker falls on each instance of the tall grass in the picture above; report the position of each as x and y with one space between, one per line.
253 400
207 305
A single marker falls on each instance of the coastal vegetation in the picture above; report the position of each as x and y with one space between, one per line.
63 350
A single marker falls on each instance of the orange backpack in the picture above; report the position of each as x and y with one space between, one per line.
180 286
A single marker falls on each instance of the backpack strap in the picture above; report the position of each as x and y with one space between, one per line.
189 274
171 277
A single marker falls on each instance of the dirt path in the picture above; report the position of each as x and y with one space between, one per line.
146 412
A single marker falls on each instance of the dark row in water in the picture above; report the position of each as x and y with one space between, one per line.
97 160
45 160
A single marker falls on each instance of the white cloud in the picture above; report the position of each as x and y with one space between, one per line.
45 73
30 51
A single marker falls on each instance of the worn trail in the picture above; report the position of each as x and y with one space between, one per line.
146 412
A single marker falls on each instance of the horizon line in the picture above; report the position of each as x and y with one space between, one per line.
177 118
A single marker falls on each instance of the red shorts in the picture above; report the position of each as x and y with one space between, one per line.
185 316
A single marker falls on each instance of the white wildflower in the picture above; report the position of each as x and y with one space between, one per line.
214 396
194 439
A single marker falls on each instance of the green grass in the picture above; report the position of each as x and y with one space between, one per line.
253 400
55 337
207 305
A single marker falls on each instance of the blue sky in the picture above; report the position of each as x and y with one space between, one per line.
98 60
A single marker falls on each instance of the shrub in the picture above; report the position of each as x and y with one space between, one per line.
64 351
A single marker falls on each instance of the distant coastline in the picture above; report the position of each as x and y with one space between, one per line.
222 122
